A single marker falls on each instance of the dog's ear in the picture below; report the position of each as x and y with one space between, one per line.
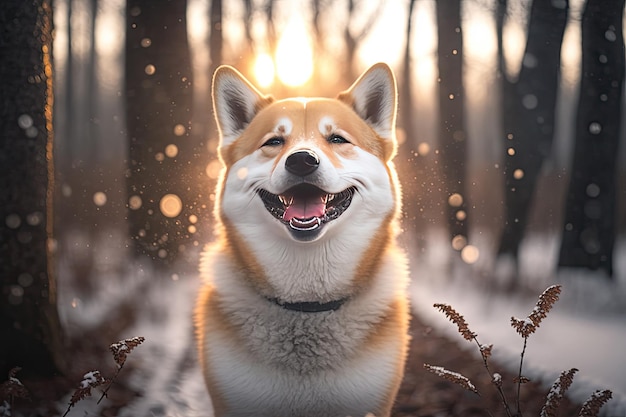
374 98
235 102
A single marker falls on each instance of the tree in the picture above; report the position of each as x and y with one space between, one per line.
29 323
167 184
590 209
452 134
528 113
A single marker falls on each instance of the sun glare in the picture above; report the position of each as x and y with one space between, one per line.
264 70
294 55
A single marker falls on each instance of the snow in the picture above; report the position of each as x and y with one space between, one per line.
89 379
165 365
585 329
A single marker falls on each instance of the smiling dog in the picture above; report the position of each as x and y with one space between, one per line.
304 309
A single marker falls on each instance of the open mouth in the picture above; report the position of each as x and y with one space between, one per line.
305 207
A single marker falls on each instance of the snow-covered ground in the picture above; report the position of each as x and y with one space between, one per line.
586 328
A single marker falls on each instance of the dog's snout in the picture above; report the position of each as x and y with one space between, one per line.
302 162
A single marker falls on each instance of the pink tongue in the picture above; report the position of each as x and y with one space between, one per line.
305 208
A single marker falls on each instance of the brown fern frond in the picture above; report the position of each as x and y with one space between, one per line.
122 348
525 327
592 406
555 395
457 319
452 376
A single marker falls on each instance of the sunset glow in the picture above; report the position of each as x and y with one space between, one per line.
264 70
294 55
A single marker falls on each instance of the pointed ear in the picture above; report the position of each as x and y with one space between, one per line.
374 98
235 102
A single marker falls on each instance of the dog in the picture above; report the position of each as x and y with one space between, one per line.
304 309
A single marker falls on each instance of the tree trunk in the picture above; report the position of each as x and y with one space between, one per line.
528 115
452 134
29 323
590 224
167 183
216 37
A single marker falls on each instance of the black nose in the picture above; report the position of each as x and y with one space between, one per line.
302 162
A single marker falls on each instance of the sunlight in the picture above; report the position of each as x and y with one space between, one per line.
294 55
264 70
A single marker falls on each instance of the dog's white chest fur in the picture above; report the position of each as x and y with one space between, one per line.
306 208
276 362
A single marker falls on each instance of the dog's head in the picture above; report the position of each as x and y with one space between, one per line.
305 168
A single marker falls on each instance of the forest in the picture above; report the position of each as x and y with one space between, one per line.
511 159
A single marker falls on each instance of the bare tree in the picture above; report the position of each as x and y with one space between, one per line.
216 37
167 184
590 210
528 113
452 133
29 323
353 36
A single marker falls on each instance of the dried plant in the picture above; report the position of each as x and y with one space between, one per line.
120 351
525 327
12 388
93 379
546 300
485 352
122 348
452 376
528 326
555 395
457 319
90 380
592 406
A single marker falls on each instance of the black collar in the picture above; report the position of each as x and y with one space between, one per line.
310 306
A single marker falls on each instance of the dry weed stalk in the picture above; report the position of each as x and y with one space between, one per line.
457 319
120 351
90 380
452 376
546 300
528 326
525 327
592 406
555 395
11 389
485 351
94 379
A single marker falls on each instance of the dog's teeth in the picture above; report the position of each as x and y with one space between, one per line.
287 201
330 197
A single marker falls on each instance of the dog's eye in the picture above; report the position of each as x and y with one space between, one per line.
336 139
276 141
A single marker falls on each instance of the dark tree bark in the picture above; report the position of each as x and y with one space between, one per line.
216 37
528 114
590 211
452 133
167 183
406 98
29 323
